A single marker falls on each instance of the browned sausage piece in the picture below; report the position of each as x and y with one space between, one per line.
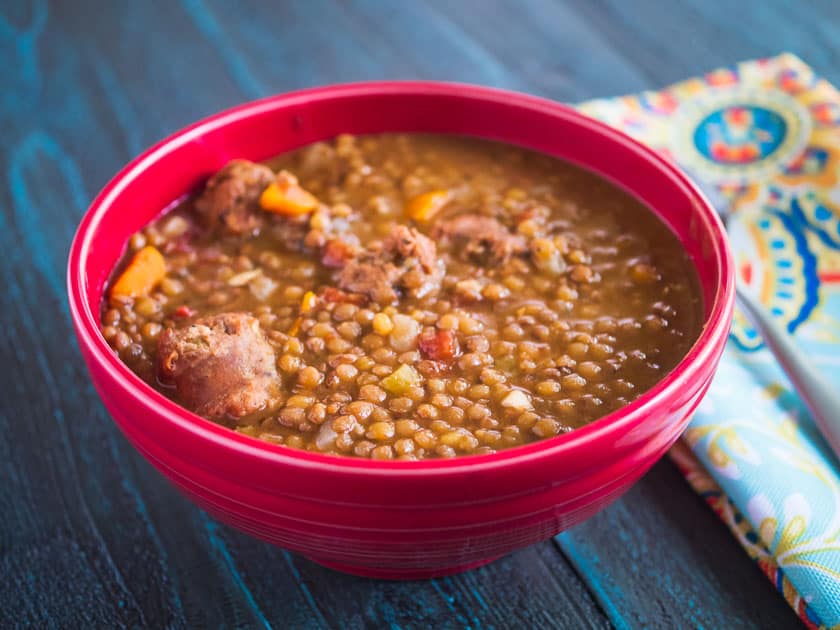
229 202
221 366
481 239
374 279
406 261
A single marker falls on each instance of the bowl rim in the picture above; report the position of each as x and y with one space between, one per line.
714 330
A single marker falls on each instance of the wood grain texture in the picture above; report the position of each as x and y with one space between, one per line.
90 536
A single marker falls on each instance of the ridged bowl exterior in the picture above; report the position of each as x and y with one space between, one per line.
397 519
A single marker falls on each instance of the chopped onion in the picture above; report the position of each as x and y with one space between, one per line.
326 436
404 335
243 278
518 400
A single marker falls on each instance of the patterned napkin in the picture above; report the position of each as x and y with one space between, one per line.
766 134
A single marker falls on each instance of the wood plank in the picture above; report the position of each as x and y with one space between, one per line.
698 36
655 559
533 588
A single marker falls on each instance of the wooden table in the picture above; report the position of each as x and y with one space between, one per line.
90 535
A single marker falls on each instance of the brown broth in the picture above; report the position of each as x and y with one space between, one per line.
613 307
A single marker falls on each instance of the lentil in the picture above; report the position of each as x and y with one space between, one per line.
569 302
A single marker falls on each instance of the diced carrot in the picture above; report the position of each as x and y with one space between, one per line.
285 196
308 302
295 329
143 273
424 207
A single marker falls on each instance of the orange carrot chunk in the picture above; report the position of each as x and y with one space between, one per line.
285 196
143 273
424 207
295 327
308 302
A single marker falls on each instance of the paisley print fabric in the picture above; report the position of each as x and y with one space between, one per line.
766 135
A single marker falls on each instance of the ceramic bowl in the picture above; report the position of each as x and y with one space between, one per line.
397 519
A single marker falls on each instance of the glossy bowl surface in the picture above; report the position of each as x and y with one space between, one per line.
397 519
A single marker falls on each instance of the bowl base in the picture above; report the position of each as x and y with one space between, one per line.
401 574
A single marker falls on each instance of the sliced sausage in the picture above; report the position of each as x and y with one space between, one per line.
481 239
405 262
407 244
229 202
374 279
221 366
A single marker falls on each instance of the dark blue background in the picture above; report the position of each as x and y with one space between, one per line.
90 535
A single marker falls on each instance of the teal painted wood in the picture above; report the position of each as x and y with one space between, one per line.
90 536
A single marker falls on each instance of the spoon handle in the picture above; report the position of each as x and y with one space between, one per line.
822 400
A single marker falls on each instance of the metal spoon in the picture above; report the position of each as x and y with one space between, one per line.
819 396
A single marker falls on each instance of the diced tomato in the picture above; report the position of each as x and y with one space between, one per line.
439 345
331 294
336 253
183 312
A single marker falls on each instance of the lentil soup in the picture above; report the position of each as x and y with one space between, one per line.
404 296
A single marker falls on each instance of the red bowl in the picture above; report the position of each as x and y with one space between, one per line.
390 518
